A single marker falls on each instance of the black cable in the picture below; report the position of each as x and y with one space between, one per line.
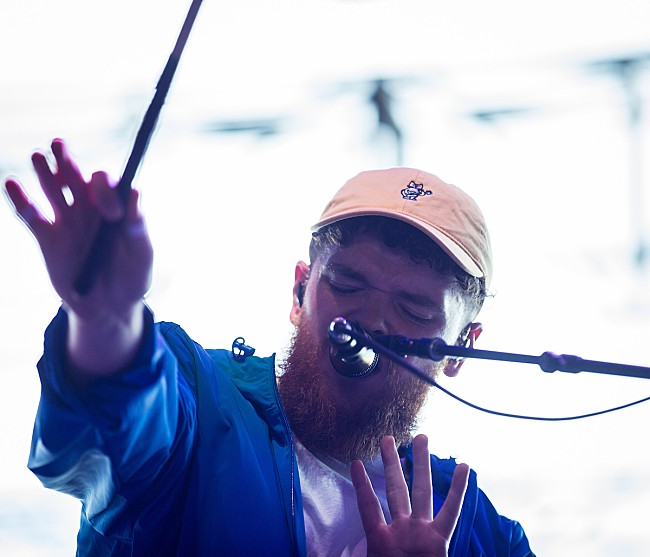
400 360
538 418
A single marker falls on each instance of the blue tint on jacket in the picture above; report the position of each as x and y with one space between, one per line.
189 452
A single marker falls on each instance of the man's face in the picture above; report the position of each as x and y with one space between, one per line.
386 293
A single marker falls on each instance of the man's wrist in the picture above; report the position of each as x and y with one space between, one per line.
103 344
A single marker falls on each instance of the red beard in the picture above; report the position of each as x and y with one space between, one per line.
350 430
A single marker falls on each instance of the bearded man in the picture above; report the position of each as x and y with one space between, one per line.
178 450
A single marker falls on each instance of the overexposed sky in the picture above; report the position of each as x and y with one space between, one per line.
229 213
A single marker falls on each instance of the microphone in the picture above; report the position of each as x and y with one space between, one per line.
348 356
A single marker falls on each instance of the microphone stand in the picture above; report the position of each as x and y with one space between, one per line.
548 361
395 346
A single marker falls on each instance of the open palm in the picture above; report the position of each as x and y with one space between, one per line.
413 530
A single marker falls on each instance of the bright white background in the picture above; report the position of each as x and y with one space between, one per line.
229 213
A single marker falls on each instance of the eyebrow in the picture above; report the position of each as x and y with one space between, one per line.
419 299
346 271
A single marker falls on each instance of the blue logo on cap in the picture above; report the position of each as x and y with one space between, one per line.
413 191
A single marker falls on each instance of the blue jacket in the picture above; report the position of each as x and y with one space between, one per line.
189 452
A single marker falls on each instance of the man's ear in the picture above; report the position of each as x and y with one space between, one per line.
301 274
466 339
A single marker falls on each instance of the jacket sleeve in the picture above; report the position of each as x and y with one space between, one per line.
495 534
481 531
118 437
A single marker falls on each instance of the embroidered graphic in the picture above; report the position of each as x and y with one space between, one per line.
413 191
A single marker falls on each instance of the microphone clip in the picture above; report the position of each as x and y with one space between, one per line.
240 350
429 348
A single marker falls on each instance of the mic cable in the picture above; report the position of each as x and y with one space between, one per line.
354 353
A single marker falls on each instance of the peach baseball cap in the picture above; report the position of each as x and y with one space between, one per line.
443 211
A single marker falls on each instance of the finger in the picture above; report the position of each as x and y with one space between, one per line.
396 490
105 197
367 502
50 183
25 209
446 520
69 171
421 495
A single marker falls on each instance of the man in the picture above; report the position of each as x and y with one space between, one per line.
177 450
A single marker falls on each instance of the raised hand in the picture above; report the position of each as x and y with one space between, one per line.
413 529
79 207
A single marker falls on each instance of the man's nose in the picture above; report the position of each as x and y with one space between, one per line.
371 314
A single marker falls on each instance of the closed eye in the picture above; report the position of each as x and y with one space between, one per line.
418 318
343 289
420 314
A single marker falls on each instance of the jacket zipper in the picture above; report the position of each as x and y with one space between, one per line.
293 461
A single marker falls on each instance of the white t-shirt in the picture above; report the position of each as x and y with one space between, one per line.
332 522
